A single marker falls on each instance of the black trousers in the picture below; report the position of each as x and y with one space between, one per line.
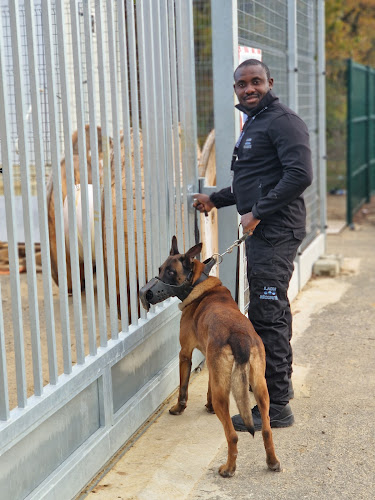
270 254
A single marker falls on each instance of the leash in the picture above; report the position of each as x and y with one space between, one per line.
237 243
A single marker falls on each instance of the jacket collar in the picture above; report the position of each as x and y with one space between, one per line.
268 99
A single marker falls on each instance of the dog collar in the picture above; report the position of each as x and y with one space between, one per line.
209 264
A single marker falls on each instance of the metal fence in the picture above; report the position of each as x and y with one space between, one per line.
360 136
290 36
82 366
287 33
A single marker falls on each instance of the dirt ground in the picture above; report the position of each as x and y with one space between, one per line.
336 209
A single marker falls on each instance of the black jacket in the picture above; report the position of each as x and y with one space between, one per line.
271 166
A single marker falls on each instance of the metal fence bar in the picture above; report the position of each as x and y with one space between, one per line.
86 236
161 132
99 262
292 56
322 115
357 137
191 186
70 186
153 137
349 144
108 213
117 168
56 177
175 122
4 398
139 187
145 114
371 179
22 129
369 138
166 71
183 103
292 40
128 166
224 21
7 162
41 191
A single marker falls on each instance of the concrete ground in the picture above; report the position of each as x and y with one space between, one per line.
329 453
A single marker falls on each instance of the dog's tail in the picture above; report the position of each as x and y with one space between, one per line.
241 393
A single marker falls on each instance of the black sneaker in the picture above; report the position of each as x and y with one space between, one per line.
280 416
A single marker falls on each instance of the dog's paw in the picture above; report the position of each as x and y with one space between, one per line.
276 467
210 408
226 471
177 409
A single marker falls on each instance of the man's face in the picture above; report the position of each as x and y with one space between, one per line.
251 85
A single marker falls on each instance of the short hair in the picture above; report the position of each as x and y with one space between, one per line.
253 62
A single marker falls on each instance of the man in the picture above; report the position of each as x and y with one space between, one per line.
271 168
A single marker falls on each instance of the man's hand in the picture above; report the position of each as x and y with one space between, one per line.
249 222
202 203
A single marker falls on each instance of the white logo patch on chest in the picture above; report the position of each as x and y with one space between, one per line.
247 144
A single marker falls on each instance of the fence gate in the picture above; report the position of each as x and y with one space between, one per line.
361 137
98 157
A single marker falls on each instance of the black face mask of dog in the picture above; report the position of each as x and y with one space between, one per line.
168 283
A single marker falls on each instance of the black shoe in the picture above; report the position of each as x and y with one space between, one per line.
280 416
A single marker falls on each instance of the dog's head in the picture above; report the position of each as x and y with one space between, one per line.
176 276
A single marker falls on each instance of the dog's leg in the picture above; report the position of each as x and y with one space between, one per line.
259 386
185 368
220 369
209 406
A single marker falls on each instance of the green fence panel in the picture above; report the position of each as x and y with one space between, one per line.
361 131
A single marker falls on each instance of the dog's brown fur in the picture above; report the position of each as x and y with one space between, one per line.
235 356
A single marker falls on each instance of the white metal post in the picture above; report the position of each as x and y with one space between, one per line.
70 185
56 177
224 61
322 116
292 56
22 131
41 190
107 192
186 76
4 396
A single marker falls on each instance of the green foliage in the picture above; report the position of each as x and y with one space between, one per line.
350 33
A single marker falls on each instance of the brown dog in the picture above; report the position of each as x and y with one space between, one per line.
212 323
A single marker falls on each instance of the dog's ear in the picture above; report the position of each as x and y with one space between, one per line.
174 249
193 251
197 270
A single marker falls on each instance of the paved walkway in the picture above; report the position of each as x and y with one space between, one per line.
330 451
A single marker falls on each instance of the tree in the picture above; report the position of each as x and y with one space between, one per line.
350 33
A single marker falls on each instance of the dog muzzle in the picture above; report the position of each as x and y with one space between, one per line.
156 291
